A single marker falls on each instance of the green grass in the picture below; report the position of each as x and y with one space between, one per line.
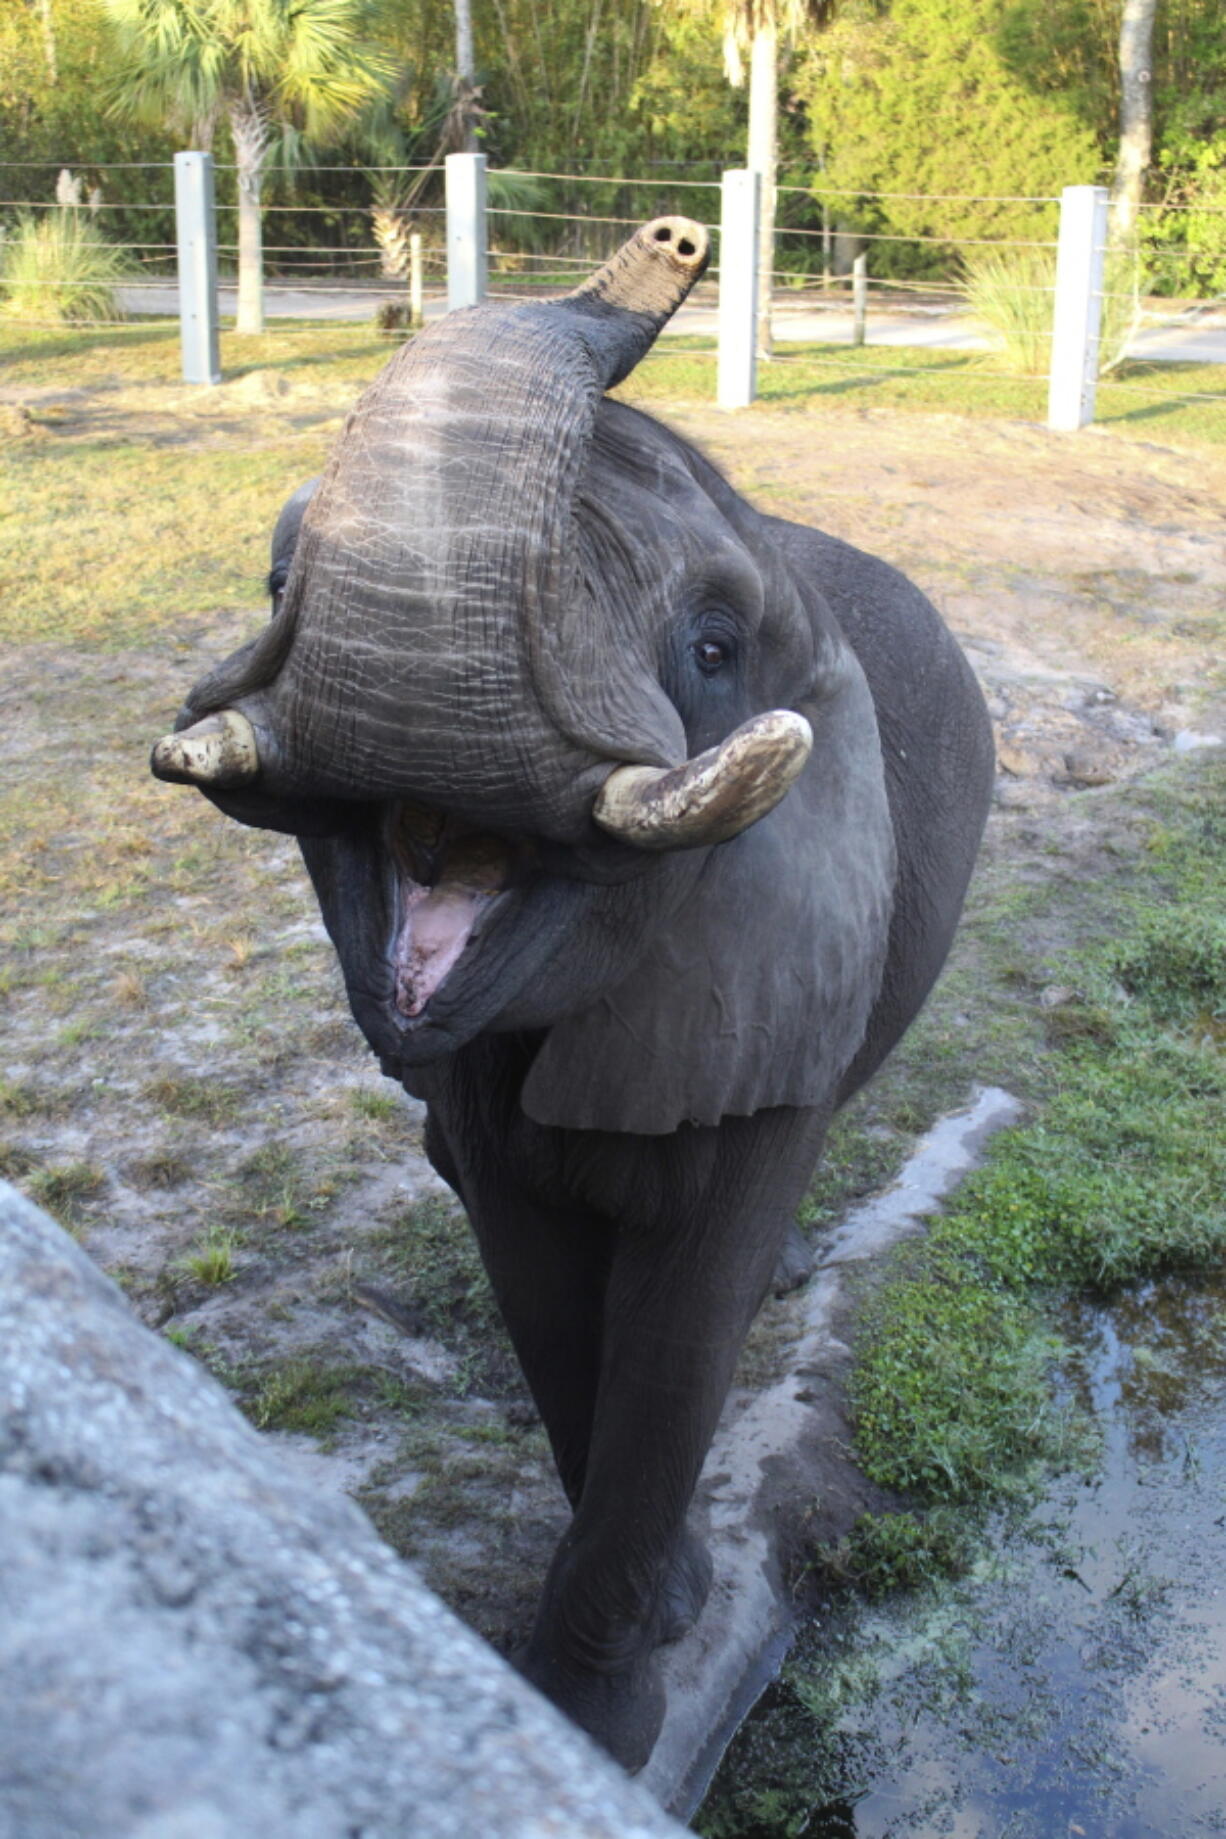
213 1262
1149 400
885 1552
1011 294
186 564
60 267
1121 1176
146 452
203 1100
309 1394
64 1188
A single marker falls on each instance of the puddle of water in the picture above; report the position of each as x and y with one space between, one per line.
1075 1684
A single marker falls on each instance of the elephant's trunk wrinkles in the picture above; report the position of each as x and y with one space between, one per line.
648 278
712 797
433 640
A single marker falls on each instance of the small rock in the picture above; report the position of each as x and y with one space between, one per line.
1188 740
1082 768
1017 761
1056 995
17 424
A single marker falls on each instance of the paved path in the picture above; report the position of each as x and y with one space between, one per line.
1199 340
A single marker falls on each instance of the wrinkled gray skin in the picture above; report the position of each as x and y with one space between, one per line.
503 586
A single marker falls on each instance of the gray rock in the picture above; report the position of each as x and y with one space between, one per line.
196 1645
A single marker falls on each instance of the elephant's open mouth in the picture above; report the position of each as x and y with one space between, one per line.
449 879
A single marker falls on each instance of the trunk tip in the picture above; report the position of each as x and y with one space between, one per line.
682 241
651 273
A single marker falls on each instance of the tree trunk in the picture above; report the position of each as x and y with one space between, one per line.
249 129
763 132
47 23
1136 116
465 62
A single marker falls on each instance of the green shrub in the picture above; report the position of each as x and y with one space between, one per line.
58 268
1013 294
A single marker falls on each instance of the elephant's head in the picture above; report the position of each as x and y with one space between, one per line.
534 674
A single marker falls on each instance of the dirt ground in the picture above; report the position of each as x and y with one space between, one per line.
180 1081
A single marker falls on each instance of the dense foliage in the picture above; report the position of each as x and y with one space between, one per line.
959 97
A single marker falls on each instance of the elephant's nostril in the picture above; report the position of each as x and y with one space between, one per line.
664 234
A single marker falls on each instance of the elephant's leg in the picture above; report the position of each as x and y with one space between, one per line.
548 1271
686 1587
794 1265
685 1282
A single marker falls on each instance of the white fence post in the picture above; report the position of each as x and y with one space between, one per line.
1077 314
740 194
196 236
416 290
859 299
467 261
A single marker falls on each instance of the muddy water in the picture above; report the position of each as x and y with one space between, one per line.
1075 1684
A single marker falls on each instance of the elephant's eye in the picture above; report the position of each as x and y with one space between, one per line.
711 654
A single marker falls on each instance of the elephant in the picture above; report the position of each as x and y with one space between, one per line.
641 823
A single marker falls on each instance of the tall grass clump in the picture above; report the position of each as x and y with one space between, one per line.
1013 294
58 269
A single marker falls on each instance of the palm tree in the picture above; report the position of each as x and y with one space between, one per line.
468 96
755 28
288 69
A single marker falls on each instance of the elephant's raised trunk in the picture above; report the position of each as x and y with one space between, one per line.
435 639
647 279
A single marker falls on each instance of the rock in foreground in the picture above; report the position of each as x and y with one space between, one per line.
193 1645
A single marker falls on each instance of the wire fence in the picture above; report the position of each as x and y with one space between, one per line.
548 231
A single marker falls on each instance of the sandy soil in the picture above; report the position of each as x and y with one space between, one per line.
181 1082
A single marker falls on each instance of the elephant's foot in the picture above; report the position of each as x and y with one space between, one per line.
623 1711
685 1588
795 1263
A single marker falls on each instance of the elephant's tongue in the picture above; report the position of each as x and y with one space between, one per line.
437 922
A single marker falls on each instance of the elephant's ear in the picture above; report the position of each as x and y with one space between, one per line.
758 991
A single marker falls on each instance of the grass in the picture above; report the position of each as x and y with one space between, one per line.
207 1101
957 1391
428 1253
1121 1176
147 452
1148 400
65 1188
213 1262
60 267
308 1394
1011 294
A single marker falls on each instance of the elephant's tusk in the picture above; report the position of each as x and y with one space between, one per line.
712 797
220 750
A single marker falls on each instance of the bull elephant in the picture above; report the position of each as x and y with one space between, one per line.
641 823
